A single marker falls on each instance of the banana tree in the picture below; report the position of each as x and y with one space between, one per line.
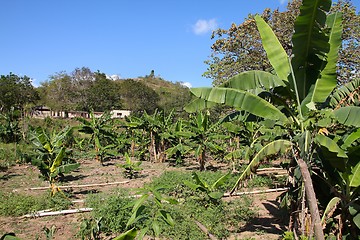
299 86
100 132
51 155
158 126
204 136
177 136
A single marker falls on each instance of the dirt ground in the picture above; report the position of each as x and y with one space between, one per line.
267 225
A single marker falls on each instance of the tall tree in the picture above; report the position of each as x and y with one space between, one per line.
58 93
82 90
138 97
103 94
239 48
16 91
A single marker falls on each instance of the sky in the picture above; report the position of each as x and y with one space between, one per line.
129 38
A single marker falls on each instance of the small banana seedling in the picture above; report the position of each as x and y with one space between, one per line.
212 191
131 169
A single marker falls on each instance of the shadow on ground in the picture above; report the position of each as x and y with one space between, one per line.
274 221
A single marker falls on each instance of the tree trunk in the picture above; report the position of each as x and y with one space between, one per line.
202 160
311 198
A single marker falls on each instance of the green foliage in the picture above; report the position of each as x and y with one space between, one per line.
128 235
149 209
14 204
81 90
49 232
9 236
211 190
101 134
9 126
131 169
309 77
155 213
16 92
50 154
90 229
112 209
13 153
203 137
138 97
239 48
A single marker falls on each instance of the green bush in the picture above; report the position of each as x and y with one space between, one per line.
12 153
220 219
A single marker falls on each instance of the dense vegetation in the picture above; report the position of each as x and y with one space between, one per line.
300 108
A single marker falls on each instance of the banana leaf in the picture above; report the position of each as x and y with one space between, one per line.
348 116
310 45
275 52
277 146
327 81
241 100
251 80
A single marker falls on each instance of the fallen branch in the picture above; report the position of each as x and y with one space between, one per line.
80 186
45 213
205 230
256 192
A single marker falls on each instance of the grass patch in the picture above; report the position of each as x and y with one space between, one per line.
14 204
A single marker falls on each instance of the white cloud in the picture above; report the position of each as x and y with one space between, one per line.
204 26
282 1
186 84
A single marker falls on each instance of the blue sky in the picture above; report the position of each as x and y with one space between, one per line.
124 37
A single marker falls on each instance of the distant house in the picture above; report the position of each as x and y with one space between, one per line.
43 112
119 113
75 114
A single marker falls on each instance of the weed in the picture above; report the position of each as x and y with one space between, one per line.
112 209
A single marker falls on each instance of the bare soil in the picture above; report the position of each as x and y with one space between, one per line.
268 224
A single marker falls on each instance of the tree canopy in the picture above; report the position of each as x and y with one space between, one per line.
239 48
16 92
82 90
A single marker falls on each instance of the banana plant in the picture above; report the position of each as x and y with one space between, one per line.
299 85
212 191
51 155
158 126
100 132
204 136
131 169
177 136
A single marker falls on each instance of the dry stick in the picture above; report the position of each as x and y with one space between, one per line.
45 213
205 230
256 192
270 169
312 201
80 186
225 195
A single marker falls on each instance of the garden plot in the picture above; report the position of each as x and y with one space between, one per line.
92 179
